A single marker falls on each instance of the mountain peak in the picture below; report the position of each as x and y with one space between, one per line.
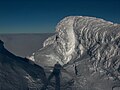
91 43
76 34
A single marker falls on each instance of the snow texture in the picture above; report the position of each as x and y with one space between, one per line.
93 44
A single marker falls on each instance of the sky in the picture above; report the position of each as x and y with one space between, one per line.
42 16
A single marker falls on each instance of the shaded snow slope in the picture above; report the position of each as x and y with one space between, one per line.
18 73
93 43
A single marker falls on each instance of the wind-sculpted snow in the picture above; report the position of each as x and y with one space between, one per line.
93 44
75 35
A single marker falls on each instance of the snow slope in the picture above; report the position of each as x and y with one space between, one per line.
18 73
93 44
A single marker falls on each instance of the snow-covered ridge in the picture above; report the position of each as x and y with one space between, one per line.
18 73
76 35
92 44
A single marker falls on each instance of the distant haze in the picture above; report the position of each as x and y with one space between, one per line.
24 44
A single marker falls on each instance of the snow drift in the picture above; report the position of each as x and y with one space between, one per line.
93 44
76 35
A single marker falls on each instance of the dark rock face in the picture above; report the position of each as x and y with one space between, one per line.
18 73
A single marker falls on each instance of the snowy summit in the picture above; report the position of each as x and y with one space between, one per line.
74 36
91 43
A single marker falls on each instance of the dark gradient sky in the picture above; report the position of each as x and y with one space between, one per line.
38 16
